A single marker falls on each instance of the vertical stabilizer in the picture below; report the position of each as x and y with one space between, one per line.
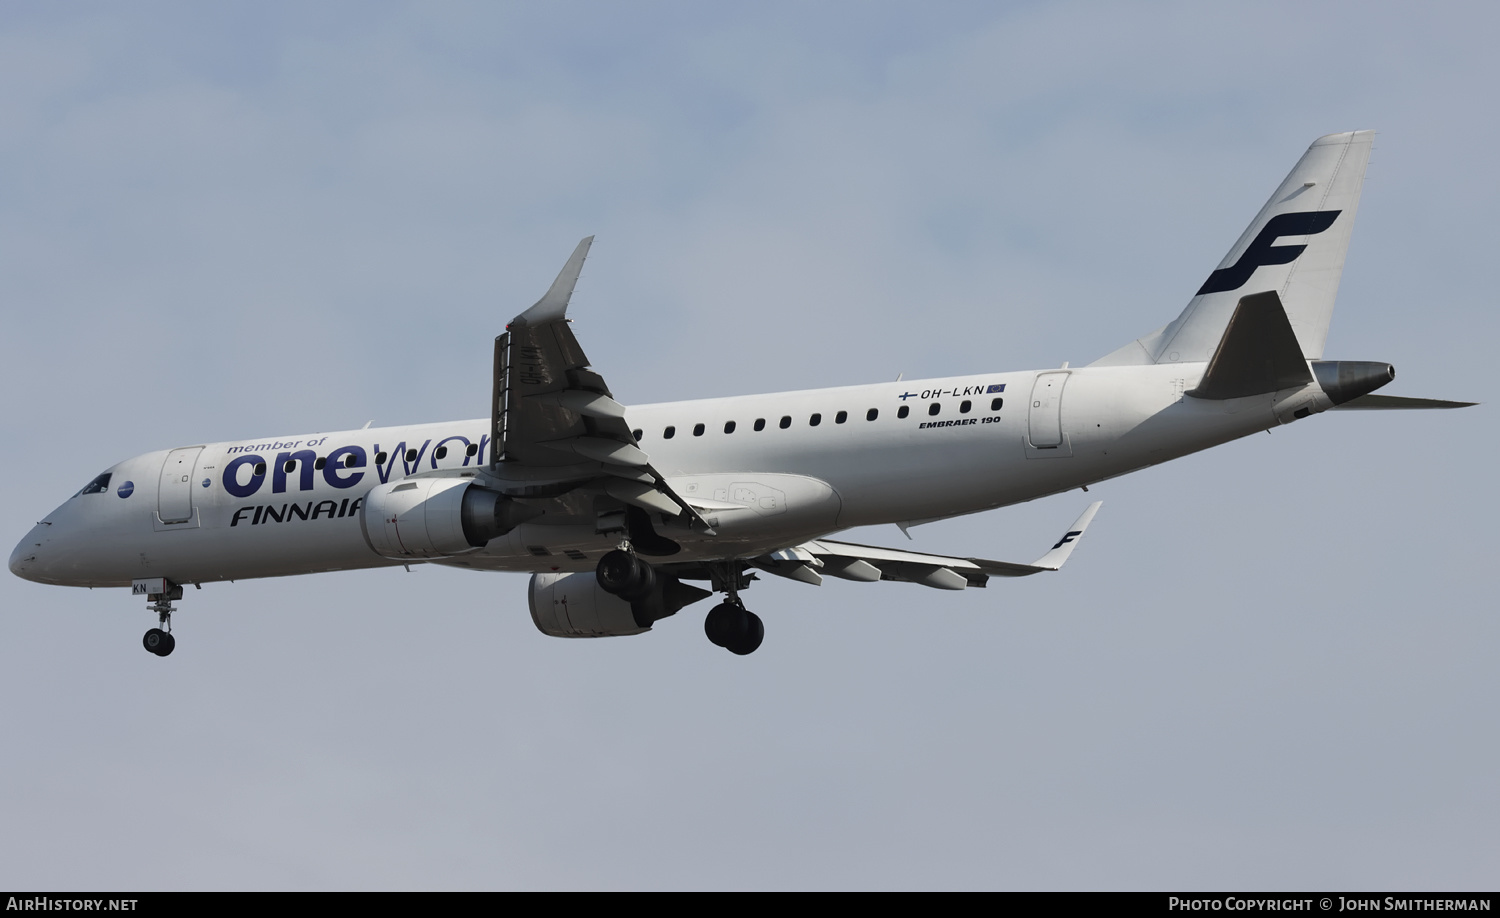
1295 247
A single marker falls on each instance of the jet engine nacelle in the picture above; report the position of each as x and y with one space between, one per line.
574 605
421 518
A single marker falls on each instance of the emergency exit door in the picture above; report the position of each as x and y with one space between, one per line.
1046 410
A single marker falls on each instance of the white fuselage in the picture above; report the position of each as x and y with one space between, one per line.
201 514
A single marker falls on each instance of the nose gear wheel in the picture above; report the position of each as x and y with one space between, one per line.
159 642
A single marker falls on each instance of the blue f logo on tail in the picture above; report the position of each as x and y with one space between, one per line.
1263 252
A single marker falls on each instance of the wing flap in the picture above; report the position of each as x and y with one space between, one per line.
867 563
642 495
601 449
591 404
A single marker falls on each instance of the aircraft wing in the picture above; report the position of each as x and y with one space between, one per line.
554 422
811 561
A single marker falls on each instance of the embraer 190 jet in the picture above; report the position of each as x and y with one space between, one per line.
617 512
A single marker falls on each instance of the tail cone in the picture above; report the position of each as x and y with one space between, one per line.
1346 380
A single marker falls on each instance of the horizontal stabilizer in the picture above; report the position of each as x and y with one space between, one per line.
1387 402
1259 352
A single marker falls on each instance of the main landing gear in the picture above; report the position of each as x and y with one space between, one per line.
733 627
625 575
159 640
729 624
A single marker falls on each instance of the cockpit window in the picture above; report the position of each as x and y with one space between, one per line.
97 486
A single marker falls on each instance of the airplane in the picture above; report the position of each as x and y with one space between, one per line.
617 512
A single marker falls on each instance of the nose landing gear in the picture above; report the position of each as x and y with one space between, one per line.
159 642
161 592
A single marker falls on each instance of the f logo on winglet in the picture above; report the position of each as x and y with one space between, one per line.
1067 538
1263 251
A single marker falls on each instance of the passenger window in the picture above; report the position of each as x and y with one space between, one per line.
934 408
289 466
323 460
349 457
473 449
379 460
760 423
411 456
964 406
872 414
815 420
697 430
996 403
729 427
786 421
637 434
903 411
669 433
841 417
260 467
440 453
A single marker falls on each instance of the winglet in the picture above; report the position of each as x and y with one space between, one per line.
1054 559
554 305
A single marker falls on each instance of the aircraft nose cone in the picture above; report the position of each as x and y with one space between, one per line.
31 559
23 558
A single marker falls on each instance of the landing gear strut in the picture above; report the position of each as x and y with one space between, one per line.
159 640
730 625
